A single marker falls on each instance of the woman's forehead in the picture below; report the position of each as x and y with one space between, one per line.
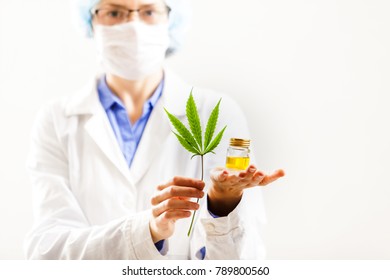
130 3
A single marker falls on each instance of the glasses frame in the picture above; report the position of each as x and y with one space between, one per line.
95 11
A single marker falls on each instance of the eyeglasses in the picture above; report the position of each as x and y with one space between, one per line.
112 15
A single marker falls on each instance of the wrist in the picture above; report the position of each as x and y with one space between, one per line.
224 193
221 203
154 233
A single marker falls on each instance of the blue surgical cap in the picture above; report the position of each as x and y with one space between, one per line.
179 19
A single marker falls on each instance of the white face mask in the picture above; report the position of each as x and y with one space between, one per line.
132 50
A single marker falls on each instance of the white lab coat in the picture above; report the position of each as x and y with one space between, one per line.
89 205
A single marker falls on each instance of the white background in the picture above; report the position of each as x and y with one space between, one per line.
312 77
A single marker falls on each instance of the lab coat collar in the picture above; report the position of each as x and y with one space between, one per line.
85 101
175 94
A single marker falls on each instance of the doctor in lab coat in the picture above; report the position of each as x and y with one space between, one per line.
108 187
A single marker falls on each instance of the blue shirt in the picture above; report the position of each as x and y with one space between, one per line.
127 134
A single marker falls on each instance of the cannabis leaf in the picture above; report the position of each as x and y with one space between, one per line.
215 142
191 139
211 124
193 120
184 135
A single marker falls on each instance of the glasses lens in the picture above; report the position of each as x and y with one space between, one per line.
153 14
112 16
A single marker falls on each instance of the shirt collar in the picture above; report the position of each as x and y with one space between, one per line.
108 98
86 100
157 94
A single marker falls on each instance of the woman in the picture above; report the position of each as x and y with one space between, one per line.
110 180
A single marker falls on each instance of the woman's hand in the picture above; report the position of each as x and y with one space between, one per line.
227 188
171 202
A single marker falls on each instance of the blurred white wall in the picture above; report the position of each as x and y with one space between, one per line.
312 77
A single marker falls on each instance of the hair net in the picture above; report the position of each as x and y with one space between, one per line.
179 19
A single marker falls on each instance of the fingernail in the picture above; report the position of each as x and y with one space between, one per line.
252 169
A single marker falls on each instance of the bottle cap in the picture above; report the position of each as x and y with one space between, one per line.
237 142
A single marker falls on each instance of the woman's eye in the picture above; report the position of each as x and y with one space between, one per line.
148 12
115 14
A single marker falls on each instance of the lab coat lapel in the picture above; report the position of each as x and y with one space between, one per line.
175 94
86 102
99 128
155 132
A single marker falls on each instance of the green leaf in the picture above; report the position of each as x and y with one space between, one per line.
211 125
215 142
186 145
192 141
194 121
183 131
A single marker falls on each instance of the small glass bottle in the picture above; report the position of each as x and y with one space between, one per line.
237 157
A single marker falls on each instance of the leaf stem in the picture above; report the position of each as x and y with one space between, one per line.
197 201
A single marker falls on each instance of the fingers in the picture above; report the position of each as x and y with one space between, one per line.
163 226
180 187
224 177
174 215
176 191
271 178
171 202
174 204
183 181
219 174
250 174
254 177
245 179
